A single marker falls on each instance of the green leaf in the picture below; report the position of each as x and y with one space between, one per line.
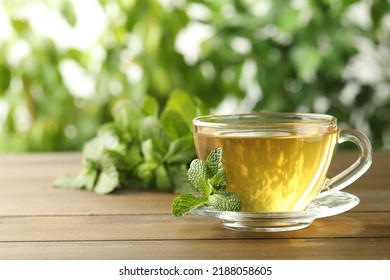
289 20
198 177
90 177
184 104
379 9
214 161
145 172
306 59
126 157
218 181
225 201
148 151
213 189
150 106
184 203
93 150
127 116
70 181
67 10
163 181
108 178
152 129
181 150
5 78
178 175
175 125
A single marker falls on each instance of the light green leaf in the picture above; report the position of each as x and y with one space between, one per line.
163 181
127 116
152 129
106 182
127 157
146 172
150 106
212 189
108 178
70 181
181 150
214 162
67 10
178 175
91 177
184 203
5 79
175 125
182 103
218 181
306 59
93 150
148 151
160 79
225 201
289 20
197 176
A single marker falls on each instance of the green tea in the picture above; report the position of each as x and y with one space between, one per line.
272 171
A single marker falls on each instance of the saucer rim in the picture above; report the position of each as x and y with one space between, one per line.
318 208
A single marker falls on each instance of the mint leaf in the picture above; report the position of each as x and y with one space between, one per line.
126 157
108 178
148 151
210 180
180 150
70 181
214 161
90 177
150 106
218 181
93 150
186 202
184 104
149 146
175 125
180 181
197 176
127 116
163 182
145 173
5 80
68 12
225 201
152 129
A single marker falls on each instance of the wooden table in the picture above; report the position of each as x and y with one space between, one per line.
38 221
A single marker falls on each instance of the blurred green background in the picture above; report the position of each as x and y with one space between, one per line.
63 63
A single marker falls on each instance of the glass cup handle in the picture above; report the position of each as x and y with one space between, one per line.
357 169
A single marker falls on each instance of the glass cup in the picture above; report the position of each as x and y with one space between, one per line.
278 162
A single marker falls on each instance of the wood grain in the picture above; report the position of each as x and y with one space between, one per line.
21 198
164 227
38 221
261 249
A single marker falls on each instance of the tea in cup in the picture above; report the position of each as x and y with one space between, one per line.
278 162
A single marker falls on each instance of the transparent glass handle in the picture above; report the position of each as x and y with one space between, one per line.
357 169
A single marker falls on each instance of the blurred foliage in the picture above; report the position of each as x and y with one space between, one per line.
144 147
58 85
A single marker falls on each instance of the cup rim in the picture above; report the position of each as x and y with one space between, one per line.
265 119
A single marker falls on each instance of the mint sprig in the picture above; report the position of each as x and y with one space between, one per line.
210 181
145 146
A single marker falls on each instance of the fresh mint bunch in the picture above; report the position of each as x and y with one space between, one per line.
144 147
210 181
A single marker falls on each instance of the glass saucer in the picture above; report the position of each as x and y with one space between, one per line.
330 205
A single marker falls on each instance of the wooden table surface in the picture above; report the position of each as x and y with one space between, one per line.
38 221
